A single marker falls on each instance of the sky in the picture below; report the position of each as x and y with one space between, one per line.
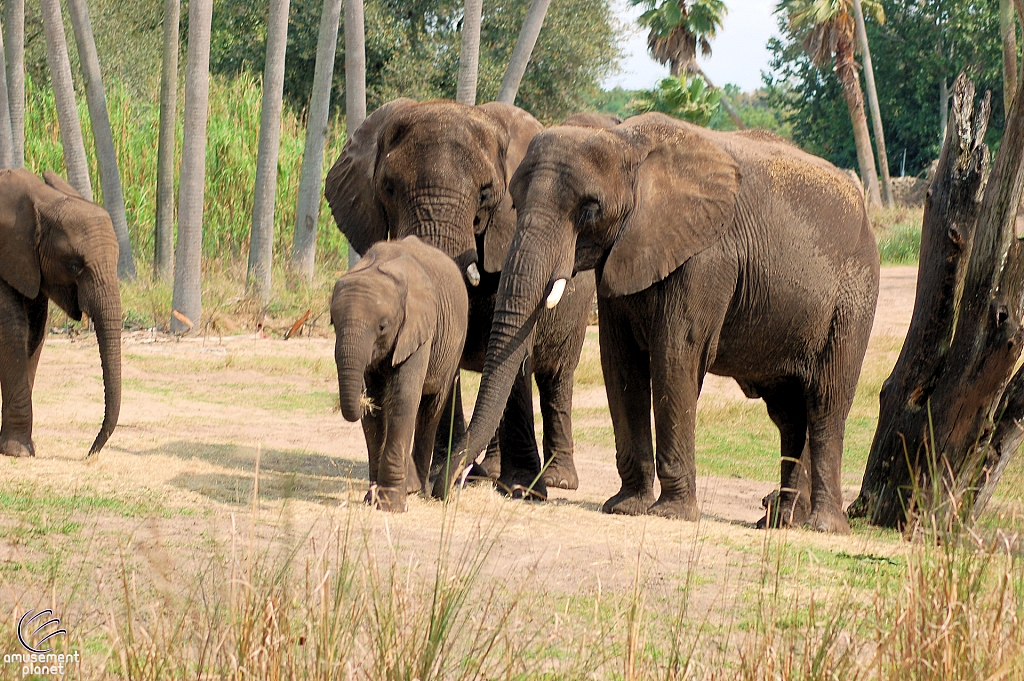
738 54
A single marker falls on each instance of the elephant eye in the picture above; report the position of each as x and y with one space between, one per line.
589 211
486 194
389 187
75 267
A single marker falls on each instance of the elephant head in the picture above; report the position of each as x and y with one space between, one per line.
55 243
634 201
385 306
437 170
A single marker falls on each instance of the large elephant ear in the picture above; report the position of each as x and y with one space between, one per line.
684 200
349 184
61 185
521 128
420 306
19 233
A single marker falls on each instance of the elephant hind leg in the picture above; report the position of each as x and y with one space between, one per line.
791 505
555 388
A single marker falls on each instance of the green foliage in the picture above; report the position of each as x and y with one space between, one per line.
826 26
232 140
699 17
755 112
688 99
412 50
921 43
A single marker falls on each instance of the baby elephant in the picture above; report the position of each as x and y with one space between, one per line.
400 318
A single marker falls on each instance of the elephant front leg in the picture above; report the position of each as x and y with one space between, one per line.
627 382
401 407
520 459
675 382
21 343
555 388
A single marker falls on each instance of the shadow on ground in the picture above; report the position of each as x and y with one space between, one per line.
283 474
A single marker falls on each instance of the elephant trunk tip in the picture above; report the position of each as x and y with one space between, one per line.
101 439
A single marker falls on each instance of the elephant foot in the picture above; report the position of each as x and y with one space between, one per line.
522 485
675 507
783 511
491 465
561 474
17 448
629 502
829 519
390 499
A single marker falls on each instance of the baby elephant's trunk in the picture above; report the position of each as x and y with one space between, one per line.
352 352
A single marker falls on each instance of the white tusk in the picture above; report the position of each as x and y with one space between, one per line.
473 274
557 289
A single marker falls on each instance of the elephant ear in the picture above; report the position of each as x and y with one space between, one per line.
420 306
349 184
521 128
19 235
61 185
684 200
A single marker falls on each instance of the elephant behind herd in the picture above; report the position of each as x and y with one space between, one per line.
730 253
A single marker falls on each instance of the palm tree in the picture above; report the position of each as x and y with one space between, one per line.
187 299
521 54
261 236
355 76
6 138
14 45
163 249
828 29
307 209
876 112
469 56
64 98
678 28
1008 32
106 155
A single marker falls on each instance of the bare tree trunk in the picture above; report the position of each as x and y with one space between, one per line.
14 45
187 299
521 54
6 137
355 78
951 411
1008 33
307 210
943 108
163 252
64 98
847 72
469 56
106 155
261 236
876 113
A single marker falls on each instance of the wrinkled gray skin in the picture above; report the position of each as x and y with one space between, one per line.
440 170
734 253
54 245
400 322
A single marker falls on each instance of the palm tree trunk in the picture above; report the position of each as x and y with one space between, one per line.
163 253
943 107
64 98
1008 32
355 77
469 57
847 72
307 210
876 114
106 155
187 298
524 48
261 237
14 44
6 138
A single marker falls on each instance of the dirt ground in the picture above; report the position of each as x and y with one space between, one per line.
196 412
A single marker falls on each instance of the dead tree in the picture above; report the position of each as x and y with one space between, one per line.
951 412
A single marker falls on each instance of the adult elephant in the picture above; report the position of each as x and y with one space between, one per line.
440 171
734 253
54 245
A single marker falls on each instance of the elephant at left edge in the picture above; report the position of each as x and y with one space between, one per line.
54 245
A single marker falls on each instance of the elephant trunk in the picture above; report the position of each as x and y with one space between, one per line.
103 302
531 272
445 220
352 353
